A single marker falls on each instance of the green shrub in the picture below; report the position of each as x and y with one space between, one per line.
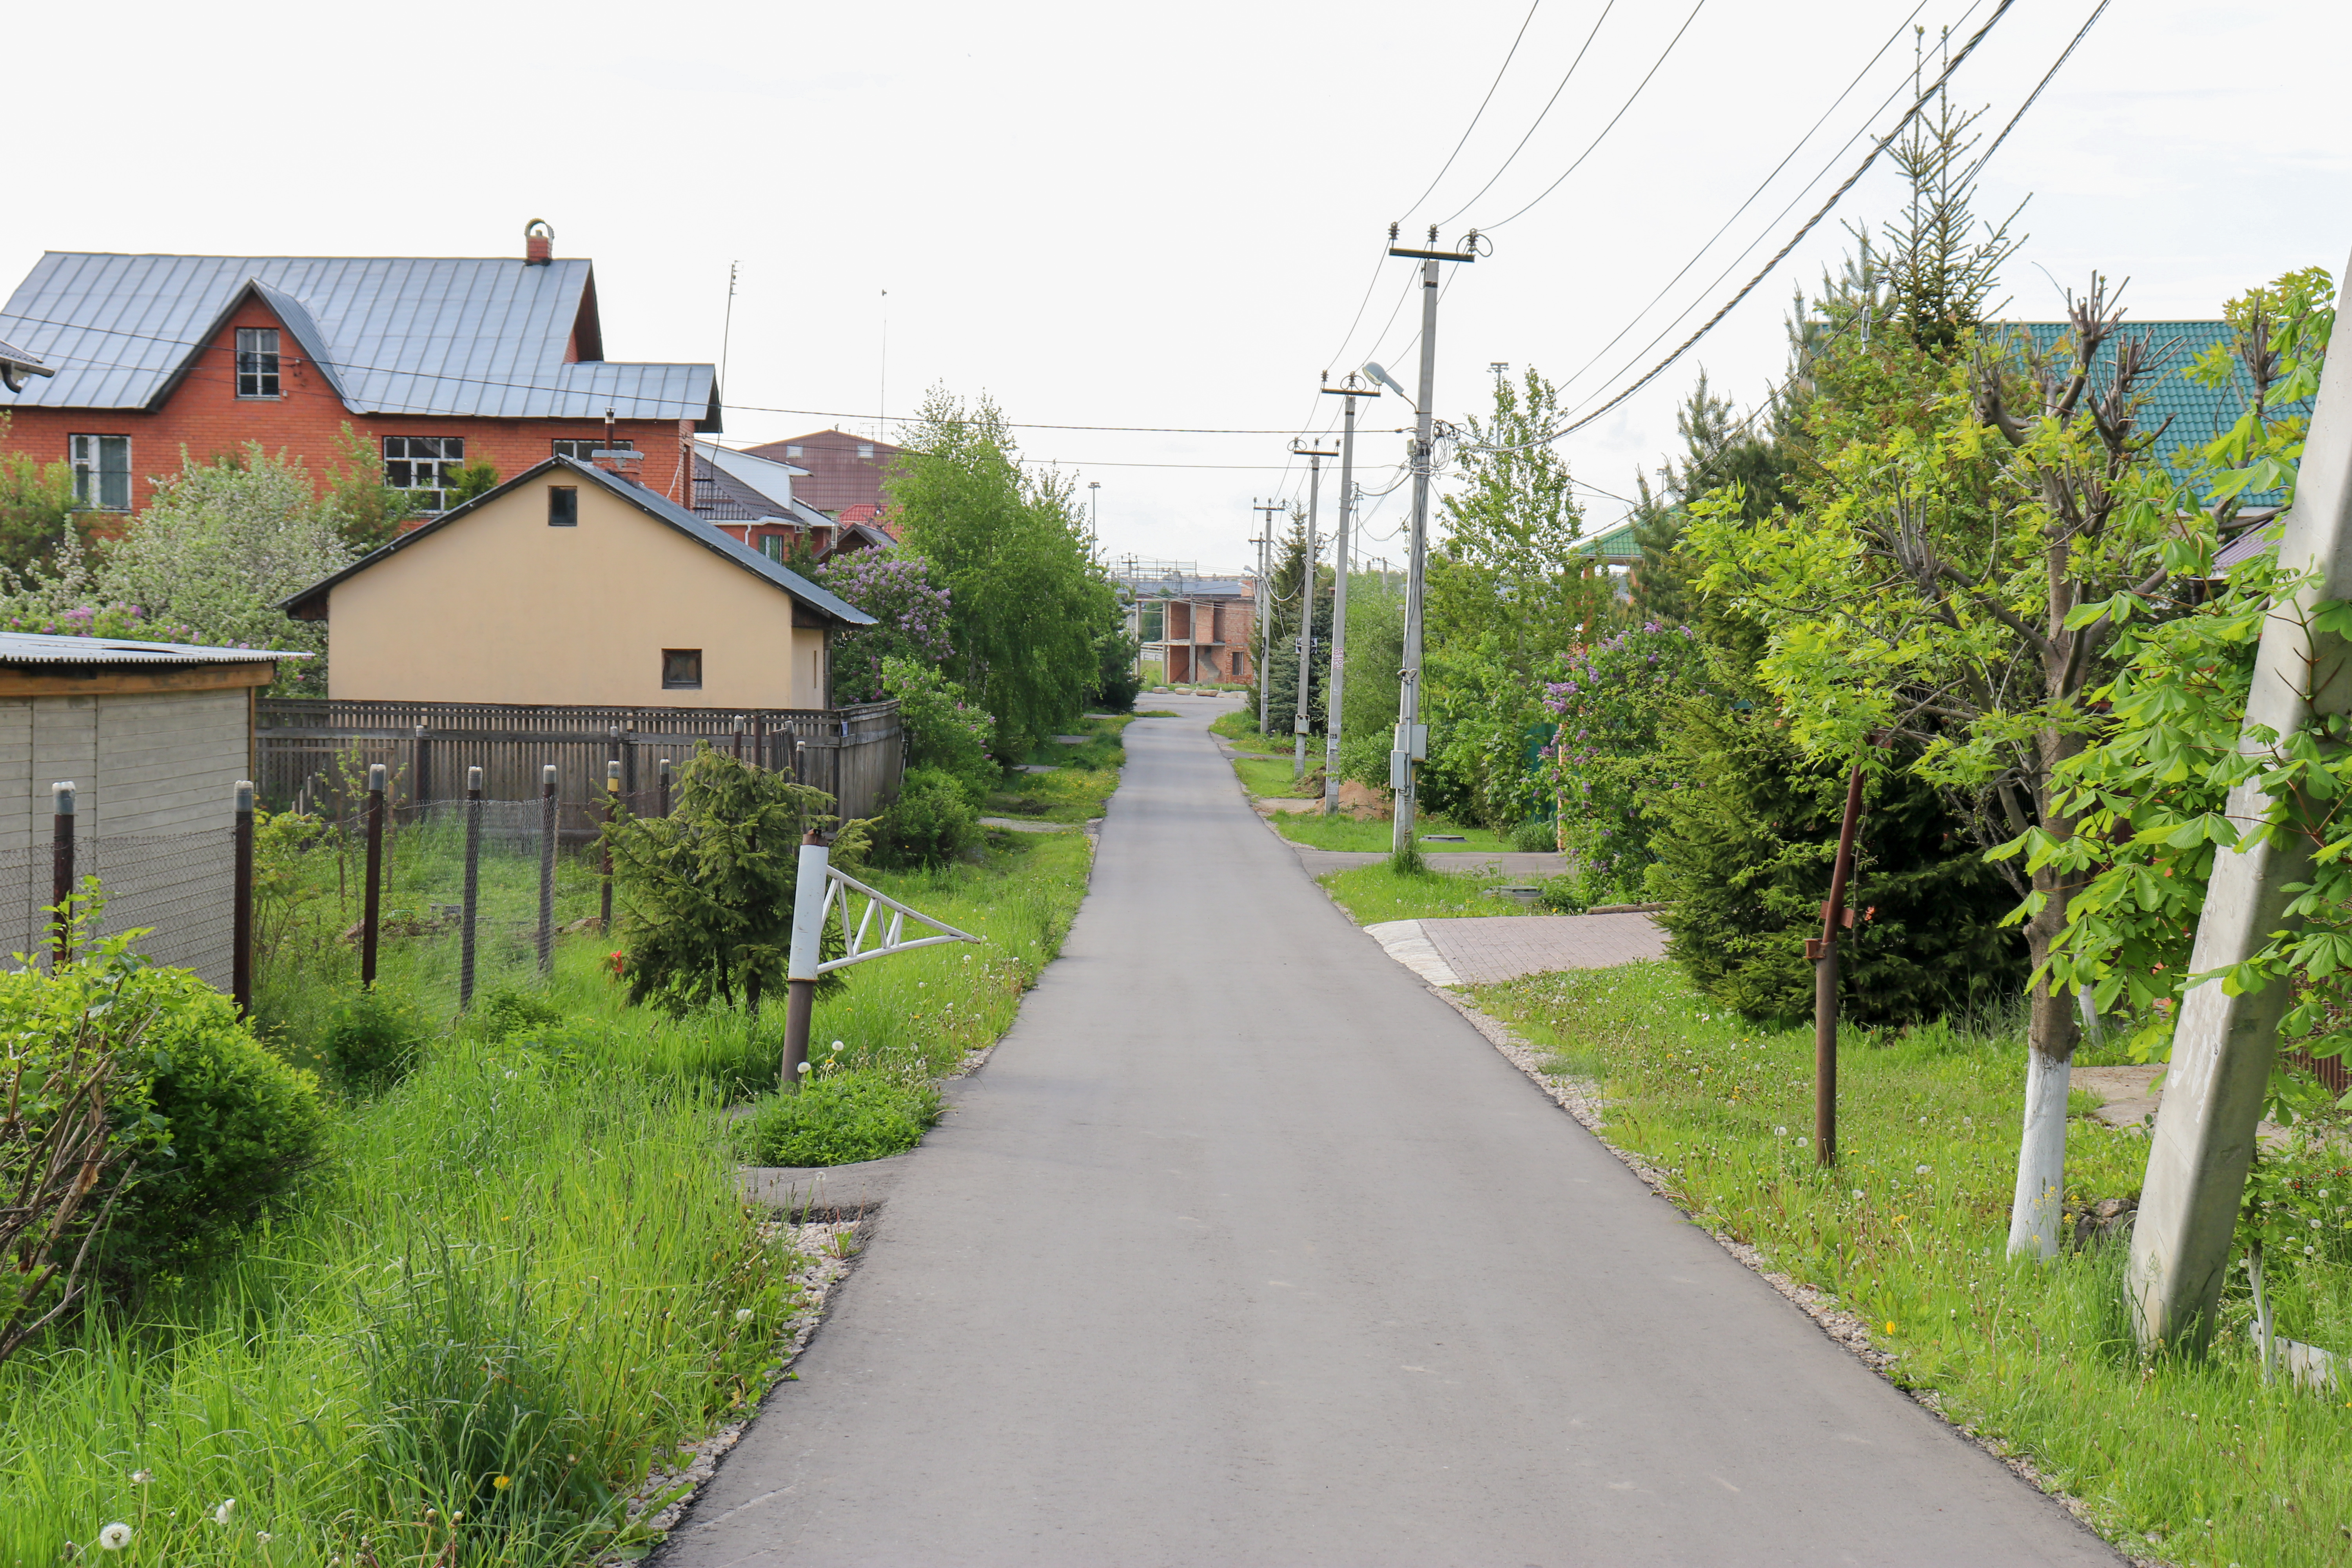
1564 895
505 1012
239 1124
929 824
375 1038
839 1118
1538 836
946 731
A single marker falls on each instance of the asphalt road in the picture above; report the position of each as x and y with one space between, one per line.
1245 1249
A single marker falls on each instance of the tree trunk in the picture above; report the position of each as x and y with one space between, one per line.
2037 1207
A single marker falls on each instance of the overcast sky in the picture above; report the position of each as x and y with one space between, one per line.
1167 216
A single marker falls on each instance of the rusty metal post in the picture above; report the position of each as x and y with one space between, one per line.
1822 950
472 905
546 869
240 961
61 870
372 897
629 766
661 788
612 798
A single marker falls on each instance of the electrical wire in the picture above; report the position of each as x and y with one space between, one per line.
1581 157
1546 110
1516 40
2064 55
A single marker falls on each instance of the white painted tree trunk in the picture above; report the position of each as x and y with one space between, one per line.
2037 1212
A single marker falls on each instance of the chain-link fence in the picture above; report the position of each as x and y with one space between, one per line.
178 887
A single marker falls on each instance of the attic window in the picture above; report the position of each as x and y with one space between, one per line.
792 451
681 669
866 451
563 505
257 361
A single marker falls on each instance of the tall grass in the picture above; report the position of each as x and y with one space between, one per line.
2193 1461
1372 894
1347 833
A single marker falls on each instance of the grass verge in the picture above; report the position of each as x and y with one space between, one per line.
1372 894
1083 775
1345 833
2192 1463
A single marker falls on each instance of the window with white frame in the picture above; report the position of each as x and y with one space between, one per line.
257 361
583 451
424 468
101 471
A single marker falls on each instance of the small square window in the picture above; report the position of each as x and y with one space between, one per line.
101 471
681 669
866 451
257 361
563 505
422 468
792 451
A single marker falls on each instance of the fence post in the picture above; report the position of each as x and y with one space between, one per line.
739 737
661 788
546 869
612 798
371 899
61 870
810 885
473 887
421 787
629 739
240 963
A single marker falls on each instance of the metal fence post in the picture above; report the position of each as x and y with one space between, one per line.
546 869
473 888
240 963
370 900
661 788
61 870
739 737
810 886
420 786
612 798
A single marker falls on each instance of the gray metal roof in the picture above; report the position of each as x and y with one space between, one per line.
696 528
483 337
39 647
741 487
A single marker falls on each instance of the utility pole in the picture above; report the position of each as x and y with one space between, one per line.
1314 456
1332 692
1413 736
1265 543
2223 1047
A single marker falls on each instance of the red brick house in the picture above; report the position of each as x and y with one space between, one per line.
436 362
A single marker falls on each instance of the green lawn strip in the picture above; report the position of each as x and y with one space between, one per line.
1082 782
1373 894
539 1236
1345 833
1239 727
2189 1462
1274 780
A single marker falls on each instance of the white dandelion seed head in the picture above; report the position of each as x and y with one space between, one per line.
743 1314
1920 1170
802 1067
264 1537
140 1478
115 1536
221 1514
1779 1133
1857 1195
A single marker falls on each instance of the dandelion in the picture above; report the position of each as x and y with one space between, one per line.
837 1044
115 1536
501 1483
264 1537
1920 1170
140 1478
221 1514
1857 1195
1779 1133
804 1066
743 1314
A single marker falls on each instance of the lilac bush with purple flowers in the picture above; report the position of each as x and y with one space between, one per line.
900 589
1605 757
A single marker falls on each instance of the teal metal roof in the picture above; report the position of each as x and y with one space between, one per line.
1615 544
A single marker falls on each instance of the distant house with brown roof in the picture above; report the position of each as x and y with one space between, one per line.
845 474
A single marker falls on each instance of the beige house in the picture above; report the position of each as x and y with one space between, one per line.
572 585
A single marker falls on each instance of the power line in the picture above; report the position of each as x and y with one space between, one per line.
2064 55
1546 110
1781 255
1614 119
1482 103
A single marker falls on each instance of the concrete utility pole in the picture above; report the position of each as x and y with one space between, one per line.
1299 720
2223 1045
1413 735
1264 627
1331 693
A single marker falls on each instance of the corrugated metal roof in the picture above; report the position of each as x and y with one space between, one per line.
37 647
661 507
471 336
2196 413
741 487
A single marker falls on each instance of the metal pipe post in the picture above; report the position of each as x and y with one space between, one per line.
240 961
61 870
546 869
1823 952
611 800
810 886
472 905
371 897
420 786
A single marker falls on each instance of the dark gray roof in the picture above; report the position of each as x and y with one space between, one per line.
661 507
39 647
392 334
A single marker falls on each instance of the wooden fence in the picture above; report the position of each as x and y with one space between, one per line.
315 754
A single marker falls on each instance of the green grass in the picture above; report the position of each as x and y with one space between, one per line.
1080 786
528 1261
1273 779
2190 1462
1372 894
1239 727
1345 833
